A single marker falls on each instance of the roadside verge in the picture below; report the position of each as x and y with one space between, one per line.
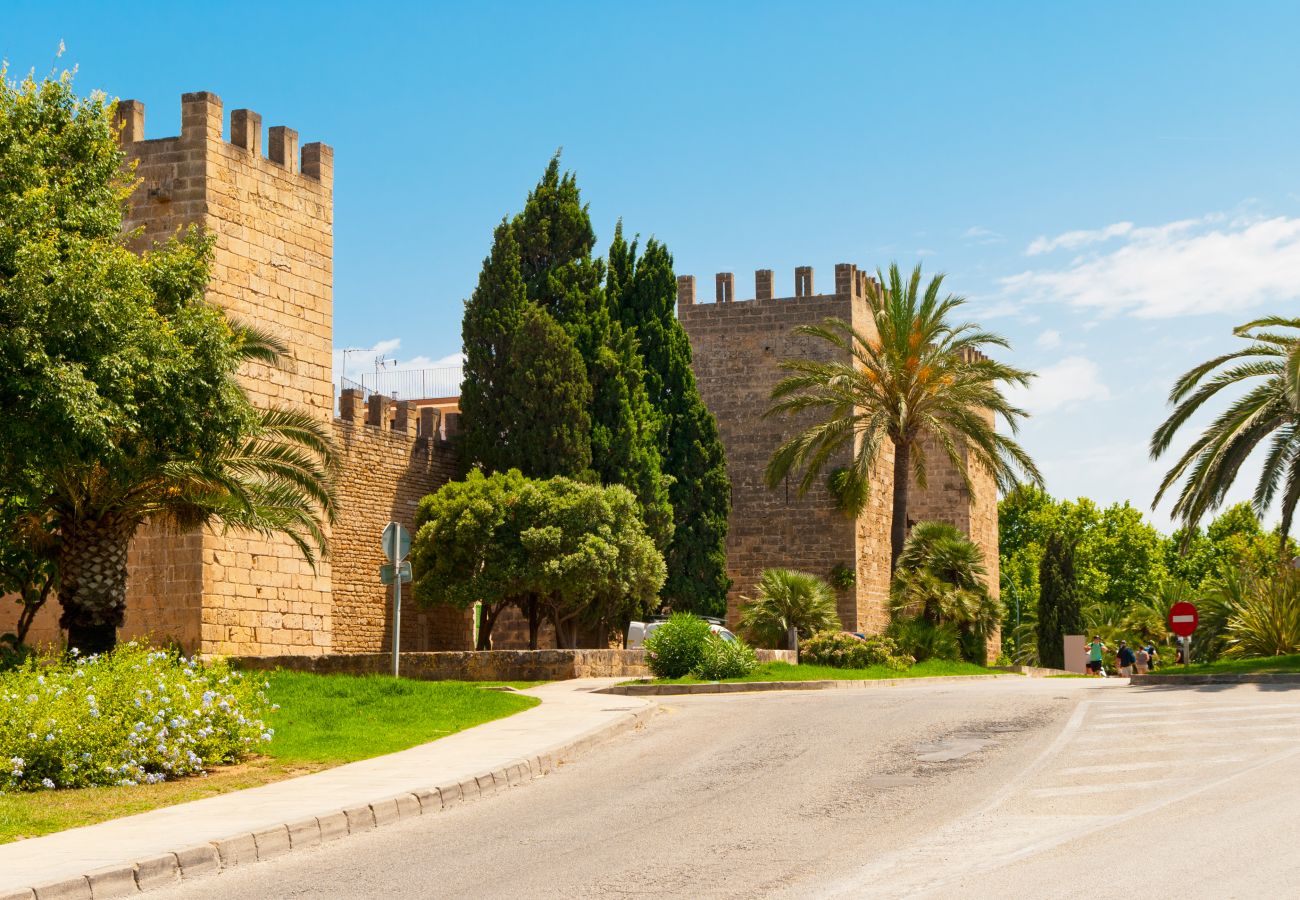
734 687
1220 678
124 856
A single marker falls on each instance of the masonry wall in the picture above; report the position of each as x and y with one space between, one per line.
736 347
387 467
271 214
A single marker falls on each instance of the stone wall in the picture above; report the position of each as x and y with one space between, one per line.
736 347
271 216
486 665
387 466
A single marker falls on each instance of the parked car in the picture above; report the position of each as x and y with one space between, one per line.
637 632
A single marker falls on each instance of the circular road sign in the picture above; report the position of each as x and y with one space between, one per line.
1183 619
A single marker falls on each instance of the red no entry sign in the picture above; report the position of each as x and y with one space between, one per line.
1183 619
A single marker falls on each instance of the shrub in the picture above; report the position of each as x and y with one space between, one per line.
1265 619
676 647
725 659
133 716
924 640
842 577
842 650
788 599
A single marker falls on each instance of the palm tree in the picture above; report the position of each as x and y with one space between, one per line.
940 579
915 374
789 605
1269 368
273 476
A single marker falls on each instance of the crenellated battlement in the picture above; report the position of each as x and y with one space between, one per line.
401 417
203 121
850 283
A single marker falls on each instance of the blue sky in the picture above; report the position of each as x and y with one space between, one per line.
1113 185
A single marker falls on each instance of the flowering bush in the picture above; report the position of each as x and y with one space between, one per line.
725 659
135 716
842 650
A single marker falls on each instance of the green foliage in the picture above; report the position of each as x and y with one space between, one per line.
1263 619
119 384
843 577
725 659
788 599
28 561
642 294
135 716
677 647
842 650
924 375
940 578
554 384
525 395
1059 613
1266 375
579 550
924 640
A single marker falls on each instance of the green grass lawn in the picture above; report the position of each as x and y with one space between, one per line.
323 721
1289 663
780 671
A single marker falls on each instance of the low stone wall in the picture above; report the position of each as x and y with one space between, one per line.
482 665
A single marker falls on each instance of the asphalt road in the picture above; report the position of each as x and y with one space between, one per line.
1014 788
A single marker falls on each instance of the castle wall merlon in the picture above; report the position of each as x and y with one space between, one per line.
282 147
726 287
202 122
685 290
129 118
246 130
803 281
763 284
201 118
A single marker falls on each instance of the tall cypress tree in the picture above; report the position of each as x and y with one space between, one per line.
560 274
1058 601
525 395
642 294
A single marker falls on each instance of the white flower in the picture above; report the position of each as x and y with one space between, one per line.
46 783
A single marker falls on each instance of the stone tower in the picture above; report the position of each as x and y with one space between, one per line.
271 215
736 347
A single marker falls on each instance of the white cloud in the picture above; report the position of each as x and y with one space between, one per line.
1182 268
1074 239
1068 383
978 234
361 360
1049 339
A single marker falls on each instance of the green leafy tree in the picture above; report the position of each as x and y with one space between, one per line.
525 395
788 606
466 547
28 560
642 292
1058 602
118 378
543 258
921 374
575 553
1125 556
590 557
1267 371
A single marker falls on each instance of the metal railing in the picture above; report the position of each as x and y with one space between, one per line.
413 384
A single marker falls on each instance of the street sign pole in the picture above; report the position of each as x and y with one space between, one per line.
396 542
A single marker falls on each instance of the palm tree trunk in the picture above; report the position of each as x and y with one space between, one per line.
92 581
898 529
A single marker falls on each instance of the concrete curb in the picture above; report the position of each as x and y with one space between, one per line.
1221 678
242 848
738 687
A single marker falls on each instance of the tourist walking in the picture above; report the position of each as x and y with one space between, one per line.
1143 660
1096 650
1126 658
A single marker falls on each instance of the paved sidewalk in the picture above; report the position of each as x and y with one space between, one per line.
123 856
